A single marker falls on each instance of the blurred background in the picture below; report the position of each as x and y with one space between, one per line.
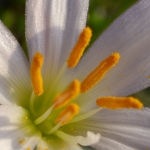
101 14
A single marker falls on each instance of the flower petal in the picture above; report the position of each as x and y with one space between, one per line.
53 28
88 148
16 131
108 144
127 129
129 35
14 73
57 144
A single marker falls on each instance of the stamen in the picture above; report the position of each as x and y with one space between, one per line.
31 104
44 116
75 119
70 93
84 116
61 100
35 72
96 75
79 48
119 102
55 128
84 141
66 115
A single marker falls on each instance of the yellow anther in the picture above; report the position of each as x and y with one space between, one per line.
96 75
66 115
70 93
35 72
119 102
79 48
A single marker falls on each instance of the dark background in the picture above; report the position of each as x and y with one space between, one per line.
101 14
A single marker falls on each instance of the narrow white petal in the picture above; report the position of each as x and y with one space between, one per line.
88 148
75 22
122 128
44 145
129 35
44 26
16 132
52 28
56 144
108 144
14 72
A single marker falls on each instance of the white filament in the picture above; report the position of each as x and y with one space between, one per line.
32 103
57 126
84 116
44 116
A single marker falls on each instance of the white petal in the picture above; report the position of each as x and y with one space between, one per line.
118 129
16 132
52 29
14 69
108 144
42 145
75 22
56 144
88 148
19 133
129 35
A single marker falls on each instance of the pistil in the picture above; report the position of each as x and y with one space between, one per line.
84 141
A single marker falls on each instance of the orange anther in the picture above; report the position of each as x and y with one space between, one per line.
79 48
66 115
119 102
96 75
70 93
35 72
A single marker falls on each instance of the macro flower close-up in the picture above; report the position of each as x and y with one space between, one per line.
66 96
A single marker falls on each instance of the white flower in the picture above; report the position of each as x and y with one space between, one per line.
28 115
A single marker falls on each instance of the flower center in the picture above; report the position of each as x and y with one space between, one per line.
62 111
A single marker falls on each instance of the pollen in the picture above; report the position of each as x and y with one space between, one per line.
35 72
70 93
119 102
66 115
79 48
96 75
39 147
21 141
